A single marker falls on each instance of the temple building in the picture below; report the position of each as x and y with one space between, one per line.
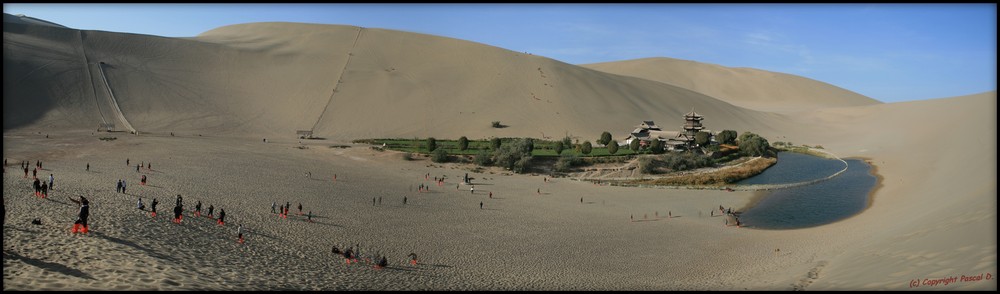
673 140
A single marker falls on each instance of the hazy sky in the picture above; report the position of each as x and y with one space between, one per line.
889 52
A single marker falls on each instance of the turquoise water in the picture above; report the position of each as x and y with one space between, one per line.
811 205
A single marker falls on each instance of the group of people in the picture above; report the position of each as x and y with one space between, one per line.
352 256
283 210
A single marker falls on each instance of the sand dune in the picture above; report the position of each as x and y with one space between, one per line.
342 82
933 217
746 87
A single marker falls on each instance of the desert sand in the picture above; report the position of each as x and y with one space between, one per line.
220 93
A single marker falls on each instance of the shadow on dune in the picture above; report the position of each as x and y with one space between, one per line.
148 251
50 266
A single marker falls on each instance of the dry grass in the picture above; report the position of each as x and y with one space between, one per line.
714 178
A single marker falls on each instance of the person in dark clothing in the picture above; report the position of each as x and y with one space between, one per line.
38 188
197 208
81 226
152 208
45 190
222 217
336 250
88 166
300 208
180 200
178 211
211 210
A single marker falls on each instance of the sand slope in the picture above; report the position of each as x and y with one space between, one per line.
271 79
746 87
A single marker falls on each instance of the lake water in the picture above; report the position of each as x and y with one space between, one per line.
810 205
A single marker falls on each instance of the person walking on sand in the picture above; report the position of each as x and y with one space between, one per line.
34 173
309 218
472 190
197 209
211 211
38 187
300 208
152 208
491 194
178 212
45 190
239 232
273 204
139 205
81 226
126 162
52 182
222 217
404 200
123 186
480 205
26 172
118 187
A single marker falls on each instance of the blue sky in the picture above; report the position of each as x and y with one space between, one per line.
889 52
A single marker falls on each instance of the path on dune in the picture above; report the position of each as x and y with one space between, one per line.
339 79
114 103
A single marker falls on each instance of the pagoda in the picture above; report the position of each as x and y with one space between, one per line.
692 125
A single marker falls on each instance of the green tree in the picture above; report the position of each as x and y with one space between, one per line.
495 143
439 155
754 146
586 148
513 153
702 138
727 137
431 144
483 158
567 142
605 138
746 136
463 143
656 146
558 146
613 148
634 145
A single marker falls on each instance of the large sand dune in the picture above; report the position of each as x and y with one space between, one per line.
934 215
271 79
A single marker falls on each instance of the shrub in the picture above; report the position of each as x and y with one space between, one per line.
567 162
463 143
634 145
483 158
586 148
439 155
613 148
507 156
558 146
495 143
646 165
497 124
522 164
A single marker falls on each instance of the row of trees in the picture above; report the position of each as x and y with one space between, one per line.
519 150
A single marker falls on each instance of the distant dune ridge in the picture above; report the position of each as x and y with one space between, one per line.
934 215
746 87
